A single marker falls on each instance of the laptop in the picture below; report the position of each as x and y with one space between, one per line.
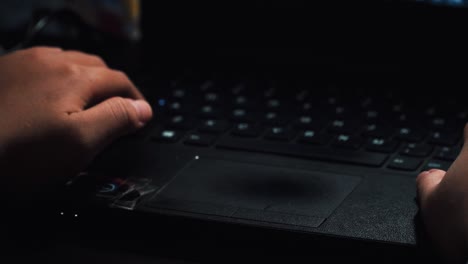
308 149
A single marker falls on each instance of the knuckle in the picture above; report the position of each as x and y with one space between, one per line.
121 76
37 53
97 59
70 69
121 111
41 57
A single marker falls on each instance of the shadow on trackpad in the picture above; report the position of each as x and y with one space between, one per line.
255 192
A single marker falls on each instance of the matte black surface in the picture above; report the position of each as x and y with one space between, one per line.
257 192
345 156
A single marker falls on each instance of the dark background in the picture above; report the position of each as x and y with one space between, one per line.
408 35
406 44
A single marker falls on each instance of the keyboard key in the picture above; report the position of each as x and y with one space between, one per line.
443 138
242 102
416 150
179 122
309 122
312 137
404 119
207 85
279 133
305 107
441 123
404 163
371 115
240 114
274 118
332 101
340 111
410 134
304 151
347 141
179 93
167 135
199 139
343 126
270 92
209 111
302 95
430 111
381 145
273 104
246 130
378 130
212 98
238 89
447 153
437 164
214 126
175 107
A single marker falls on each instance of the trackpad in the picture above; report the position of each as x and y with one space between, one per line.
255 192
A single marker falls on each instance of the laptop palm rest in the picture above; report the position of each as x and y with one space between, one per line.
255 192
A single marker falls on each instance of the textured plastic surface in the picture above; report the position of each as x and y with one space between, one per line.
257 192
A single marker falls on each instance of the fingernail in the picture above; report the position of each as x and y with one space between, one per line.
143 109
421 175
424 173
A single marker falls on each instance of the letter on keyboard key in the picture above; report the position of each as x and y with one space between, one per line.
199 139
167 135
404 163
437 164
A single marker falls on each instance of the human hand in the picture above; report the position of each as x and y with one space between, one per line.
58 110
443 200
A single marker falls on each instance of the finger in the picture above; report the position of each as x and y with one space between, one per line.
427 182
40 50
105 83
465 138
111 119
47 49
83 59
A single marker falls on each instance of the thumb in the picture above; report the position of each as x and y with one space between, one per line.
112 118
465 138
427 182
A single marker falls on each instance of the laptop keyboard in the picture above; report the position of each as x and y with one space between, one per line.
364 127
